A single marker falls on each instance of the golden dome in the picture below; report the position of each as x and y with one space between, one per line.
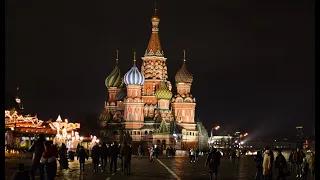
155 18
163 92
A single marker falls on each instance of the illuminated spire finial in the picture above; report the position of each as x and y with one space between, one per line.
117 58
134 57
184 55
155 8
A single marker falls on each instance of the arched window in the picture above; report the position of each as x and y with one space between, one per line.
134 132
138 132
145 132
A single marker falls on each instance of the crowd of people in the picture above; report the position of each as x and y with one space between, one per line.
266 165
46 154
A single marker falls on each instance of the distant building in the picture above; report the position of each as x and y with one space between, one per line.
222 142
300 137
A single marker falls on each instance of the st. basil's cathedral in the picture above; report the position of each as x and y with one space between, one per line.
141 106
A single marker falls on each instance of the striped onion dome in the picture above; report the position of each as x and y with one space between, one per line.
121 95
114 79
183 75
133 76
163 92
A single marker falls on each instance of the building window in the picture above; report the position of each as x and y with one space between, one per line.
138 132
134 132
146 132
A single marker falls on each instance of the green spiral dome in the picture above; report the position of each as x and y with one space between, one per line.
114 79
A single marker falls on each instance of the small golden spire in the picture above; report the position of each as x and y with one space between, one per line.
184 55
134 57
155 18
117 58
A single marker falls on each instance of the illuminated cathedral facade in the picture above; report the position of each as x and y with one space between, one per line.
142 106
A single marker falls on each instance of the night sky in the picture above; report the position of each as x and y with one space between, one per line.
252 61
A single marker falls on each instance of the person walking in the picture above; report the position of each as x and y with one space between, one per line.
63 157
258 160
305 168
49 160
196 155
291 161
95 155
233 157
114 152
266 165
298 159
311 160
213 160
192 152
280 165
139 151
82 156
125 153
104 155
151 153
37 148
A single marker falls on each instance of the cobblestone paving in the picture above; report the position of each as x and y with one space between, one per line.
142 169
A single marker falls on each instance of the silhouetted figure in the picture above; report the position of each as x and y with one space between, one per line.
49 161
63 157
82 156
95 155
213 160
126 152
37 148
104 155
114 152
258 160
280 165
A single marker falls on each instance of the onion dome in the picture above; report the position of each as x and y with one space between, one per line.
114 79
121 95
122 85
163 92
183 75
133 76
155 18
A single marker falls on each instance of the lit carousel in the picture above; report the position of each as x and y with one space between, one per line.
21 131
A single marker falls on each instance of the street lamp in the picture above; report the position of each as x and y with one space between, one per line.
216 128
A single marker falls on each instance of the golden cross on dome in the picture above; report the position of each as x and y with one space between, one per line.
184 55
155 8
134 57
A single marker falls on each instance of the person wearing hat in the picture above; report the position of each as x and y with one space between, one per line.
21 174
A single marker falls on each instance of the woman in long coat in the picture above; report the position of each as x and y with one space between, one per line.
266 165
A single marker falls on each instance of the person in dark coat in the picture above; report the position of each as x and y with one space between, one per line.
114 152
63 157
125 153
280 165
213 160
82 156
258 160
298 160
49 160
104 155
21 174
95 155
37 148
